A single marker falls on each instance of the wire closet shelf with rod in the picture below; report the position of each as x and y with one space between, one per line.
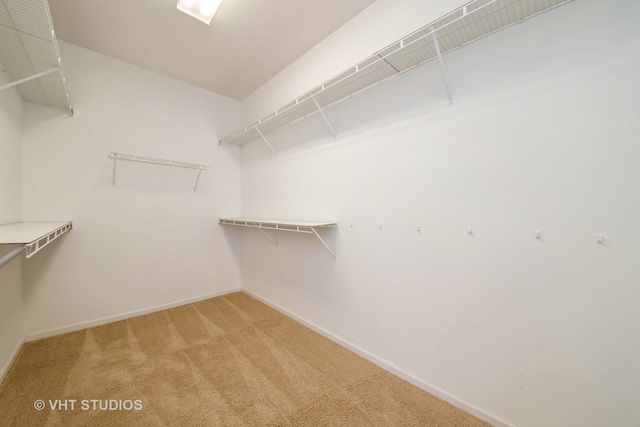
471 22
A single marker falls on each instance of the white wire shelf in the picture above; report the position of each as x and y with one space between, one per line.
155 161
33 235
475 20
30 55
308 227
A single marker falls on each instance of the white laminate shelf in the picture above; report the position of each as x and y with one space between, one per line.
309 227
33 235
473 21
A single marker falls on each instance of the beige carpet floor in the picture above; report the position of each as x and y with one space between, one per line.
226 361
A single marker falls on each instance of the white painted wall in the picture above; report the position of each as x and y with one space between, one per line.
151 240
11 307
544 136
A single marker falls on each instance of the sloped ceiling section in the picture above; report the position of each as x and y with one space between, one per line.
28 48
247 43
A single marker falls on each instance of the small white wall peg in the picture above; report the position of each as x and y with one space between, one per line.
600 239
380 226
470 231
418 229
350 225
538 234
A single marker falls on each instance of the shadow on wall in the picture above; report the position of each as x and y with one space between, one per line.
42 118
233 245
36 267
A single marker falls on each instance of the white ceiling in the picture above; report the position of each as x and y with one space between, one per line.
247 43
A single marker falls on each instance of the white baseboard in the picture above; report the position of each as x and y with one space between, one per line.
12 358
390 367
45 333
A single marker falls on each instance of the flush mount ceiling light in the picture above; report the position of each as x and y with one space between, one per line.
202 10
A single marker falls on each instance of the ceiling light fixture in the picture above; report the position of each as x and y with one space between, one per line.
202 10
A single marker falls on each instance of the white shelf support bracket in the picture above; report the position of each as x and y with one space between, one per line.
323 242
275 242
324 116
444 71
114 172
275 153
26 79
195 187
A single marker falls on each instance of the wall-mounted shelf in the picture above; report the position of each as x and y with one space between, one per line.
34 236
29 53
309 227
154 161
475 20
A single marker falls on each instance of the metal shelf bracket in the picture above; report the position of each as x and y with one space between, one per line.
323 242
195 187
275 153
444 71
324 116
275 242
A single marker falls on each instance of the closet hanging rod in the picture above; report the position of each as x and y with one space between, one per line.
11 255
26 79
